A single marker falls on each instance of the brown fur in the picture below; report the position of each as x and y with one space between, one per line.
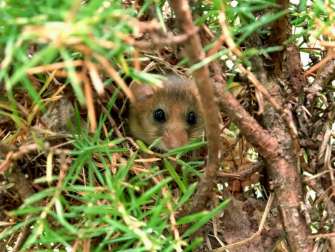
176 97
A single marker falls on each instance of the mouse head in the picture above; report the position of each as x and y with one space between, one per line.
171 113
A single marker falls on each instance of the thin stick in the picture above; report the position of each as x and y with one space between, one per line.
196 54
52 67
115 76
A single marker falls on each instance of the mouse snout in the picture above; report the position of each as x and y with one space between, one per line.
174 138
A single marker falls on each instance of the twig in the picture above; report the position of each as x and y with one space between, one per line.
95 78
89 102
329 235
147 26
325 152
320 174
23 150
285 113
21 238
284 175
159 42
325 74
12 156
111 120
52 67
115 75
245 172
330 56
211 117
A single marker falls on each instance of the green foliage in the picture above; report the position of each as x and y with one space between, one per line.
55 28
114 210
111 205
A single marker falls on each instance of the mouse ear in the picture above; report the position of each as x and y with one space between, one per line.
141 91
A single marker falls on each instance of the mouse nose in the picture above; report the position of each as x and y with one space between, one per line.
175 138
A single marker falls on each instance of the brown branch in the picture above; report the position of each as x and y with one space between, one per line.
211 117
325 74
283 173
147 26
111 120
245 172
14 155
52 67
330 56
92 119
159 41
280 32
276 103
285 178
18 153
115 75
328 235
318 175
294 70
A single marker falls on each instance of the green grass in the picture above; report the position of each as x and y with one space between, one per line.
120 210
97 190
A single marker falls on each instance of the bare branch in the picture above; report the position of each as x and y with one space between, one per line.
211 117
325 74
245 171
158 41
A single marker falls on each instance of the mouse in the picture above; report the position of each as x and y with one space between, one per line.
171 113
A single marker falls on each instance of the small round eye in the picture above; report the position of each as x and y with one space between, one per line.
191 118
159 115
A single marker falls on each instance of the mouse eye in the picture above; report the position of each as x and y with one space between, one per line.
191 118
159 115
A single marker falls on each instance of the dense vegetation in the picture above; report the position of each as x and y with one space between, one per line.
73 179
